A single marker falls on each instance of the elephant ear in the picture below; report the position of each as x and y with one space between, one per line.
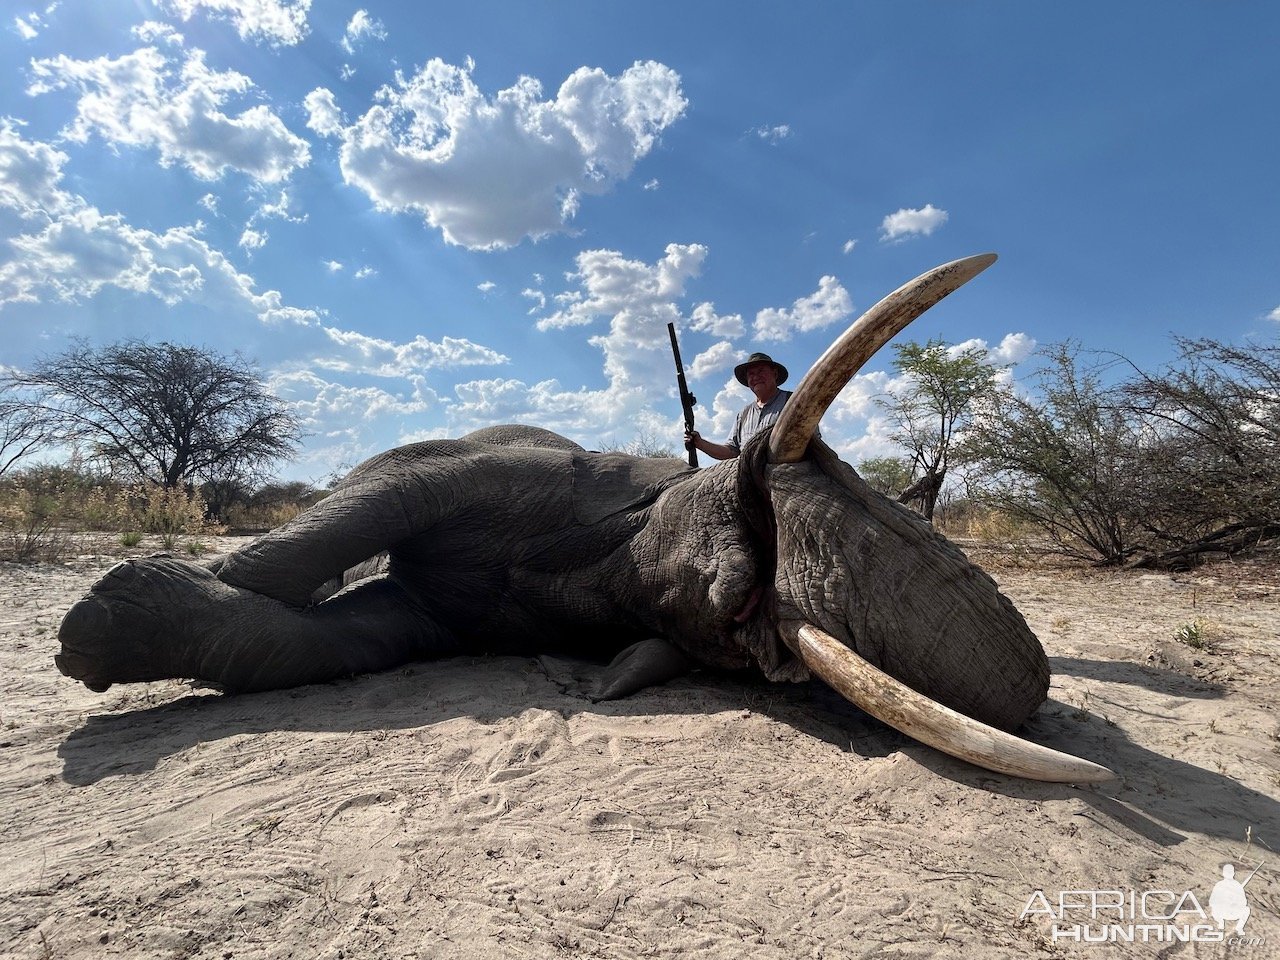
605 484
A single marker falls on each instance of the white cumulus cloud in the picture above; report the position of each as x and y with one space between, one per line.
339 416
278 22
30 173
717 423
82 251
384 358
638 299
719 356
143 99
152 30
829 304
629 291
705 320
1013 348
323 115
280 209
774 135
322 402
490 171
29 27
71 250
254 237
362 27
538 297
907 223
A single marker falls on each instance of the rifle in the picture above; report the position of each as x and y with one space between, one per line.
687 399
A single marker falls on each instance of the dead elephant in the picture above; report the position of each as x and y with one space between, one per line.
513 540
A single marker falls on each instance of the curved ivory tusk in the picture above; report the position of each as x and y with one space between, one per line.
928 721
854 347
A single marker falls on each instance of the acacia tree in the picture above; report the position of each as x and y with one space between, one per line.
165 413
1063 458
22 429
1211 467
887 475
943 389
1160 470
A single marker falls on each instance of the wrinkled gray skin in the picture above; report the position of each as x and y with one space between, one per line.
513 540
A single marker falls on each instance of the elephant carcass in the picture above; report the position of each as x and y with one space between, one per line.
513 540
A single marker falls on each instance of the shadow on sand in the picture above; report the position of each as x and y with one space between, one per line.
1157 796
1150 677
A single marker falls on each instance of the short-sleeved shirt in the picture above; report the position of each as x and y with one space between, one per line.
755 418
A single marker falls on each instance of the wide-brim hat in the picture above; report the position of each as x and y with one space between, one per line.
740 371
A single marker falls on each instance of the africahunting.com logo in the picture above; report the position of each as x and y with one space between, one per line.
1149 916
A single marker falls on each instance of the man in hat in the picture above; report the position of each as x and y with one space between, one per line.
761 374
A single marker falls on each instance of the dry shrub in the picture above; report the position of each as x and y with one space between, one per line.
102 508
261 516
995 526
30 525
167 511
172 510
992 537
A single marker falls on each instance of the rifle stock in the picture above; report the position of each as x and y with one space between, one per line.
687 399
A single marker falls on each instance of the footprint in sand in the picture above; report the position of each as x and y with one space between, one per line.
515 751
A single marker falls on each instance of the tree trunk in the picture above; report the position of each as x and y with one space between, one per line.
926 490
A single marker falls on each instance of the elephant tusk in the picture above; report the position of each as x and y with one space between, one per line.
928 721
854 347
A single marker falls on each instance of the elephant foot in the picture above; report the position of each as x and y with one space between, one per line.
137 623
644 664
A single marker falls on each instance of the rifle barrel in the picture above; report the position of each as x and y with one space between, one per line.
687 399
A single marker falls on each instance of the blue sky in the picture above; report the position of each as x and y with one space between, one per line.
420 218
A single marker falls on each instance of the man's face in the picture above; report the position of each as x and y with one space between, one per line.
762 379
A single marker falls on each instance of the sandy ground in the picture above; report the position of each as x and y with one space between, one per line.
485 808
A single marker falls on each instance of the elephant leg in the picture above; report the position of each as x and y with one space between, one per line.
350 526
160 617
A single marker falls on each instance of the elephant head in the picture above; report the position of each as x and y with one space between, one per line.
805 569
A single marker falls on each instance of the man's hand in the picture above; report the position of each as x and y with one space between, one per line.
720 451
